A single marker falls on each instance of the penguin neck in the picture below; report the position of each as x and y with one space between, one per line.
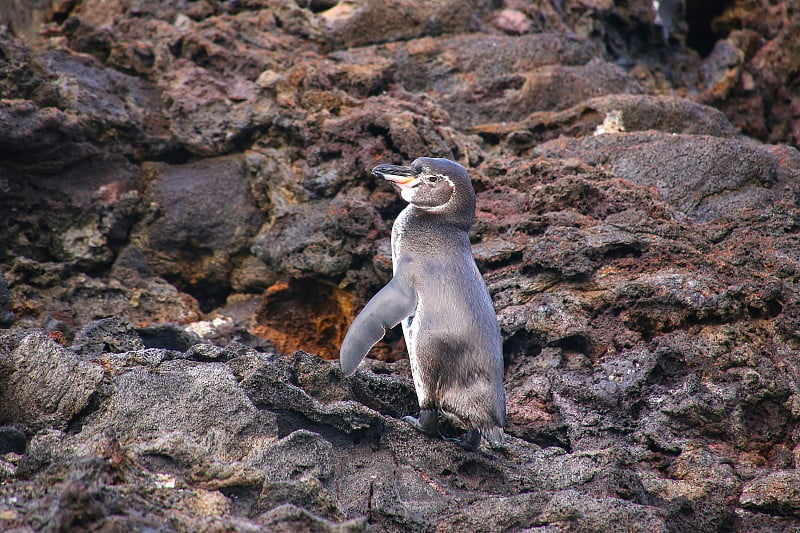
431 217
429 233
459 213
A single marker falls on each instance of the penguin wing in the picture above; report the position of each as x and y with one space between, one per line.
396 301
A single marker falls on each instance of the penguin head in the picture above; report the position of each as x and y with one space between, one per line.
433 185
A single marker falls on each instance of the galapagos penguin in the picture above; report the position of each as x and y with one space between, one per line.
438 294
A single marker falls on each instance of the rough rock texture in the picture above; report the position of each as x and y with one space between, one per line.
188 222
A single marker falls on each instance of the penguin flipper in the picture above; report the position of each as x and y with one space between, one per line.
394 302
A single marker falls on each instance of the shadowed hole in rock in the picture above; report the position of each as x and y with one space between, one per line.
383 133
767 308
305 315
556 439
12 440
522 343
166 337
174 155
490 138
176 47
330 155
637 409
501 261
657 320
701 34
624 38
243 499
161 463
766 423
479 476
317 6
670 370
209 295
664 450
623 250
546 437
578 342
92 404
62 13
290 421
200 57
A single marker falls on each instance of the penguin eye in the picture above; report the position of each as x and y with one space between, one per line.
433 179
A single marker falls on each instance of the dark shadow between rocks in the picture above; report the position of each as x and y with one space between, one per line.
167 337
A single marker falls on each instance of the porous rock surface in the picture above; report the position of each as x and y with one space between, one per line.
188 225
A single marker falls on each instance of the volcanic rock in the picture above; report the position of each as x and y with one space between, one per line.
189 222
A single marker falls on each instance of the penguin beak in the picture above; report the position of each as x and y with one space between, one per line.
403 176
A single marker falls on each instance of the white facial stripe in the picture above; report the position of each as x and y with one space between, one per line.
443 206
408 193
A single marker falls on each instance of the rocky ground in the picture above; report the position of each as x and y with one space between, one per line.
188 225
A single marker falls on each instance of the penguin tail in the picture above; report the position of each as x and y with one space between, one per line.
494 435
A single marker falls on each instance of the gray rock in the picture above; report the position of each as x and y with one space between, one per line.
661 113
288 517
148 357
200 210
176 412
300 455
612 113
48 385
704 177
498 513
306 493
208 352
577 253
304 242
585 513
114 335
268 386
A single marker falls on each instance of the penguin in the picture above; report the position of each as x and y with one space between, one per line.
441 299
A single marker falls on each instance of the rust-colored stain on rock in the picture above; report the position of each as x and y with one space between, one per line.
303 315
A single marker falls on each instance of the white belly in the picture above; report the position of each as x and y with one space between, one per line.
410 331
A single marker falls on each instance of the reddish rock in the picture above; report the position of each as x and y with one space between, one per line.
349 24
777 492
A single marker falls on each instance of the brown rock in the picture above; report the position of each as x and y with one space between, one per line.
349 23
776 492
200 222
614 113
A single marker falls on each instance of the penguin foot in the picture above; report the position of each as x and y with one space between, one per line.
426 423
471 440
